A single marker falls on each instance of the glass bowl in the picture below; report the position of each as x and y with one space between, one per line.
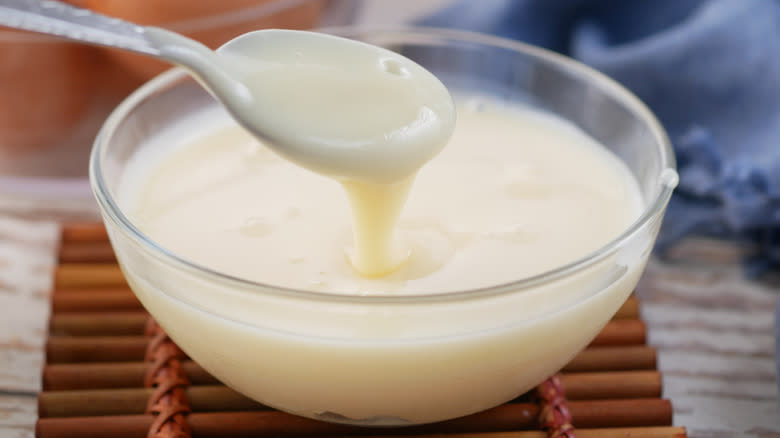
397 360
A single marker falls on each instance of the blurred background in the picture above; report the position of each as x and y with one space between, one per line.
54 95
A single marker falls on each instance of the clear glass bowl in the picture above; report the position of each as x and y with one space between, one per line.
397 360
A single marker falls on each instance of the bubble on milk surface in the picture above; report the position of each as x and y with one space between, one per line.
256 226
394 67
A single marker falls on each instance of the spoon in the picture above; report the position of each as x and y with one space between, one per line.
342 108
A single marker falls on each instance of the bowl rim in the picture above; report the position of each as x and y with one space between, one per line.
667 179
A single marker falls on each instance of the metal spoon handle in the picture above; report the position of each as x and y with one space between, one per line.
60 19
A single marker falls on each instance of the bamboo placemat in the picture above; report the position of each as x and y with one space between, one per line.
112 372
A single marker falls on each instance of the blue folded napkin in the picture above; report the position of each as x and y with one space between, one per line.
709 69
777 343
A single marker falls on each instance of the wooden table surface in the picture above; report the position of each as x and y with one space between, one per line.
713 328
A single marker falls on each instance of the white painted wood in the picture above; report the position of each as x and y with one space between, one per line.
714 330
27 255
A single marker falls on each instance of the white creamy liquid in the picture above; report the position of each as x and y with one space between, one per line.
516 192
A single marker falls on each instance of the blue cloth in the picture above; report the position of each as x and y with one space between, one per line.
709 69
777 342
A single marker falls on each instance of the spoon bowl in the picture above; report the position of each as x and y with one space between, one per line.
295 89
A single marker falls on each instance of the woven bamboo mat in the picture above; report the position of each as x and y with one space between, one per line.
112 372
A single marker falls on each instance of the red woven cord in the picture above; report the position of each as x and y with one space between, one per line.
168 403
554 415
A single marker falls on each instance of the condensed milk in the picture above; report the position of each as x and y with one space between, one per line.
382 301
517 192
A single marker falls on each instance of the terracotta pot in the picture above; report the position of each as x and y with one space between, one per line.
46 86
